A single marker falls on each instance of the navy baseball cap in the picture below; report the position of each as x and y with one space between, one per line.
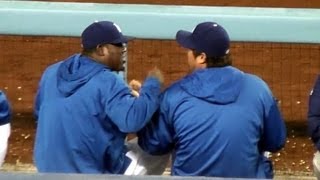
102 32
207 37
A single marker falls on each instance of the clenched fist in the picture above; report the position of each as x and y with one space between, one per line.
156 73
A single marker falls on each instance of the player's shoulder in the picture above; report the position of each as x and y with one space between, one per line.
173 88
107 75
52 67
255 80
173 94
258 84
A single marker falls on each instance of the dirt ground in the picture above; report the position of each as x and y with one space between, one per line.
289 69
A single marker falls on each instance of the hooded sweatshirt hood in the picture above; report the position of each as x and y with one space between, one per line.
215 85
76 71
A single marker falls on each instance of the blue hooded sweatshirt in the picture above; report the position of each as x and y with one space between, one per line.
84 113
5 113
218 122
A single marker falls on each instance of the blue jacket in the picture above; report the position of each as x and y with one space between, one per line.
314 114
5 112
84 113
218 122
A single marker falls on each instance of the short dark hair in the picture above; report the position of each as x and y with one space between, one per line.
221 61
89 51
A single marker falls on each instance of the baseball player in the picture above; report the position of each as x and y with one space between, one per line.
85 111
217 121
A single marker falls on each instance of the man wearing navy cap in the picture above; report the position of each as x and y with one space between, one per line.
85 111
217 120
5 115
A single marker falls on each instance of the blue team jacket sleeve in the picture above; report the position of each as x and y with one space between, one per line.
157 137
5 112
274 129
129 113
314 114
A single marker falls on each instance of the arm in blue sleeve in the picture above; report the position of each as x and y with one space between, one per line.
5 111
314 114
157 137
129 113
274 132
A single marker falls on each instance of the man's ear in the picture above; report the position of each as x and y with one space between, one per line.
100 50
201 59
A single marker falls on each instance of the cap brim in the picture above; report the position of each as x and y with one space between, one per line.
123 39
184 38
